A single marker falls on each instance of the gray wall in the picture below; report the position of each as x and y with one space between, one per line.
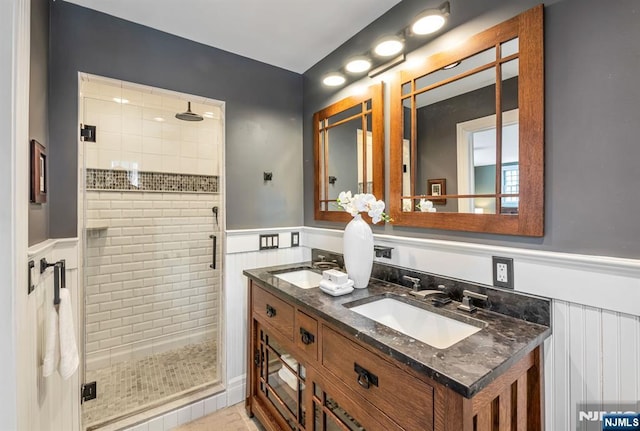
592 58
263 111
38 99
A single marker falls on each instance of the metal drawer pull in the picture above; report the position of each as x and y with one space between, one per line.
365 378
271 312
306 336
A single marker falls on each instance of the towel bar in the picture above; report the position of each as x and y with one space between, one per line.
59 277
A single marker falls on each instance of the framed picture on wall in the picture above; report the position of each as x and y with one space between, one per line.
38 187
437 187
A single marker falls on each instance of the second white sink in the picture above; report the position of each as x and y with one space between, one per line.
303 278
430 328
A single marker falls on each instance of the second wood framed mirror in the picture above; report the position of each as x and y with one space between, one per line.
348 147
467 134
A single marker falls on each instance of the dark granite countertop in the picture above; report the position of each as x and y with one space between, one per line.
466 367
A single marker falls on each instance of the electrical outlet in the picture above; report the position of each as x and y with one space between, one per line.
503 272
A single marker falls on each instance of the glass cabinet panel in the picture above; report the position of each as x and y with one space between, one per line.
329 416
282 380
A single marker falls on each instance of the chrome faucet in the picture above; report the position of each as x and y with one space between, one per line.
414 280
322 263
466 300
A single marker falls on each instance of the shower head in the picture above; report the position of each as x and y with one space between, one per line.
189 116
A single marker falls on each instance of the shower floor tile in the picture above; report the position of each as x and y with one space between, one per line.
131 386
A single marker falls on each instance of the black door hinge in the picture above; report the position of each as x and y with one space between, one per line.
87 133
89 391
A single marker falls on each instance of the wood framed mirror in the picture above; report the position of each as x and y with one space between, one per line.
473 118
348 148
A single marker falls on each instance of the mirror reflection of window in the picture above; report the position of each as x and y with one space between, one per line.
477 162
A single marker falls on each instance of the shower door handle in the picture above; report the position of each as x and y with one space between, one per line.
215 246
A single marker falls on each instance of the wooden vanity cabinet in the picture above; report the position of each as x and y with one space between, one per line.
307 375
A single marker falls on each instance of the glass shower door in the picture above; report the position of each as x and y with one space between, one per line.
152 259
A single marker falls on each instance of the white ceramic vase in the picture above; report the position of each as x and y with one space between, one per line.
358 251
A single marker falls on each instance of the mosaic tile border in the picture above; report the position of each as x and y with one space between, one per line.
142 181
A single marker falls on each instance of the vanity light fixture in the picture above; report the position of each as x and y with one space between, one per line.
430 20
388 46
358 64
333 79
386 66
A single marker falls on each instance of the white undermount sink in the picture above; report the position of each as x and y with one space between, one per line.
430 328
303 278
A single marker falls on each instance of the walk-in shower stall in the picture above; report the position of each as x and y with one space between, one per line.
151 207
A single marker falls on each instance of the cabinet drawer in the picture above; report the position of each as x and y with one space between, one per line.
402 397
273 311
306 334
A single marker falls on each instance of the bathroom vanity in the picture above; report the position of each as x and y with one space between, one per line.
316 363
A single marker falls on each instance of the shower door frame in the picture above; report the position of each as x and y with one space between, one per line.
220 384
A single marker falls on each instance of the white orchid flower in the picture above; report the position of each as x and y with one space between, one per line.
426 206
363 202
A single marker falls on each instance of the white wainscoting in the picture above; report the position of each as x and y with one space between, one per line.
54 403
593 354
246 255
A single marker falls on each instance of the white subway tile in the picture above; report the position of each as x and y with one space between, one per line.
125 295
185 415
108 324
157 424
132 284
210 405
100 298
123 312
106 288
130 320
132 302
170 329
111 305
159 323
98 336
152 333
122 276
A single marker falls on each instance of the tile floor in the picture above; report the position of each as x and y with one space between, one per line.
232 418
130 386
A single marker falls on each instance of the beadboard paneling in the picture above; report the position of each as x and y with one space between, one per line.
592 356
54 403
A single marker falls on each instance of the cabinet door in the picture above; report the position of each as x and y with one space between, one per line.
401 396
335 410
281 380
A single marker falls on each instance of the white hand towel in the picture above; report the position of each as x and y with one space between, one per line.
330 285
52 346
68 350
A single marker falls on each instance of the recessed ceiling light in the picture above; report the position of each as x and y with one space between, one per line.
358 65
333 80
159 119
119 100
208 114
389 46
452 65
